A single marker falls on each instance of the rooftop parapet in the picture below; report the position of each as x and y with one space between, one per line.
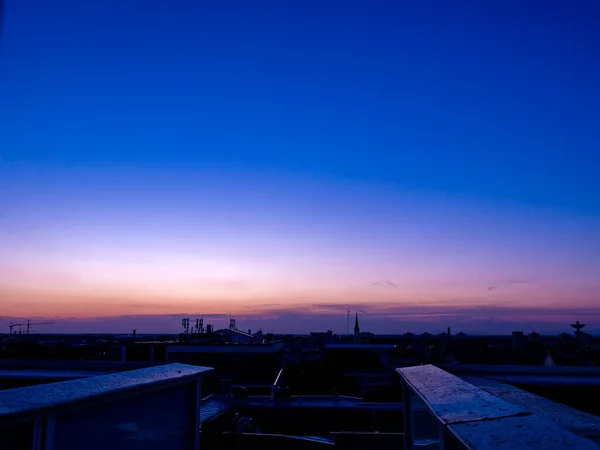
444 411
156 406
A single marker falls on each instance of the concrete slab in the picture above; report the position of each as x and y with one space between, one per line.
33 398
454 400
513 433
571 419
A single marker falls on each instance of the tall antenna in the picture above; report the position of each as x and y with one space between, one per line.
185 324
348 321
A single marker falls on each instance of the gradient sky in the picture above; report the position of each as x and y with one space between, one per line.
431 163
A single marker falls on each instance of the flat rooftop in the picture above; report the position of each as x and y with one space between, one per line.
571 419
486 413
42 397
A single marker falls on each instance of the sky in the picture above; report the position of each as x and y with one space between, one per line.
430 163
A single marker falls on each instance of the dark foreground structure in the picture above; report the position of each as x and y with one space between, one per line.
157 407
161 408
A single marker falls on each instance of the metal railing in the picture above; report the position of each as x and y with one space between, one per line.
156 408
441 411
276 383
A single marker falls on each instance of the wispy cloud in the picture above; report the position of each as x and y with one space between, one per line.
384 284
511 281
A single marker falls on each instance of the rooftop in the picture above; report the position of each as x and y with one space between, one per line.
571 419
490 414
40 397
271 347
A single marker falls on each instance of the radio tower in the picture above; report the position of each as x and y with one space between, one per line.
578 326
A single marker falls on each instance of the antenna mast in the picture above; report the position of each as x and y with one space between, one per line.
348 321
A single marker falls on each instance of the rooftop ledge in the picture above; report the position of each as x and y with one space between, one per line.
479 419
22 401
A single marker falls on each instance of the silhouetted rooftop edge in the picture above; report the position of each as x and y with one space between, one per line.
496 415
40 397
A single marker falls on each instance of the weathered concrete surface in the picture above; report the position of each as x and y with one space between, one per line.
41 397
454 400
513 433
486 414
578 422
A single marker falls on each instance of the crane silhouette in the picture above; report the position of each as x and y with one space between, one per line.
26 325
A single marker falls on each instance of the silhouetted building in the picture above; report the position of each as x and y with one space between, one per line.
251 365
518 339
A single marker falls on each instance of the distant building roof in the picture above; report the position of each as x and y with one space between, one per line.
320 402
360 346
271 347
239 332
522 370
58 374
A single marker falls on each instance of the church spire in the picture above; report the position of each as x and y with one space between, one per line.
356 327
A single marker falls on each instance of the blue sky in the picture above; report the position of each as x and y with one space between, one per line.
309 131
